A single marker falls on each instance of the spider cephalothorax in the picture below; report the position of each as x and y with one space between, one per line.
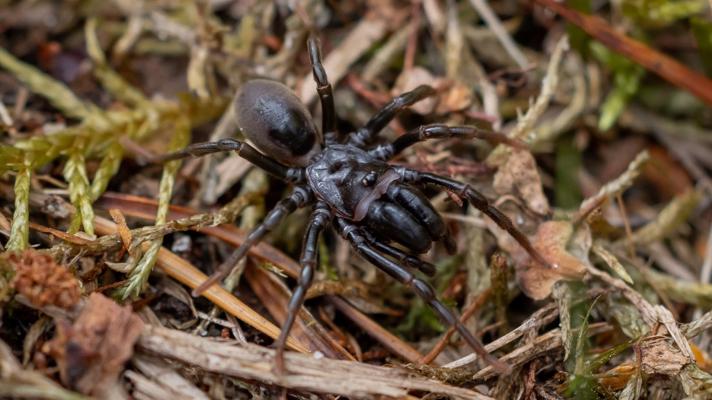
351 186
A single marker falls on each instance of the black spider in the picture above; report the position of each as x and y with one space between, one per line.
350 185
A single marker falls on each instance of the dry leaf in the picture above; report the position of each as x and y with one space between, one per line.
44 282
519 175
551 241
617 377
122 228
661 357
458 97
91 353
412 78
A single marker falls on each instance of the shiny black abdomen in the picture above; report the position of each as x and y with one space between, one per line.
274 119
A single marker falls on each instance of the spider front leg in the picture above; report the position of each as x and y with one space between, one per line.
421 288
440 131
317 222
300 197
379 121
242 149
480 202
326 94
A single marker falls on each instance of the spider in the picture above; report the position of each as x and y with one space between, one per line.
351 186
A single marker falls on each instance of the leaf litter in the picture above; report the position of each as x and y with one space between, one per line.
622 311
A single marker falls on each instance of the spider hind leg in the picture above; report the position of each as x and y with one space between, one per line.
420 287
401 256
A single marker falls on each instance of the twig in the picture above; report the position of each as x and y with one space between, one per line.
540 345
652 60
496 25
347 378
541 317
387 339
466 314
524 128
187 274
618 185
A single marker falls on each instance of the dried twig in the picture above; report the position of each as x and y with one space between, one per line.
496 26
307 373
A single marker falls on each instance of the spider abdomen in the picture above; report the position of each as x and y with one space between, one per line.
274 119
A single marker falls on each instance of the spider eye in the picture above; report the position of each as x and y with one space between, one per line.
370 179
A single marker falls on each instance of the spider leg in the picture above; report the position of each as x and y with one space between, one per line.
440 131
420 287
319 219
242 149
398 254
379 121
480 202
326 95
391 221
418 205
299 198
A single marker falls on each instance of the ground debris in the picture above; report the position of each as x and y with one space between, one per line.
90 97
659 356
552 241
92 351
42 281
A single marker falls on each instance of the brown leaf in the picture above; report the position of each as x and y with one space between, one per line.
122 228
456 98
44 282
519 175
551 241
91 352
660 357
